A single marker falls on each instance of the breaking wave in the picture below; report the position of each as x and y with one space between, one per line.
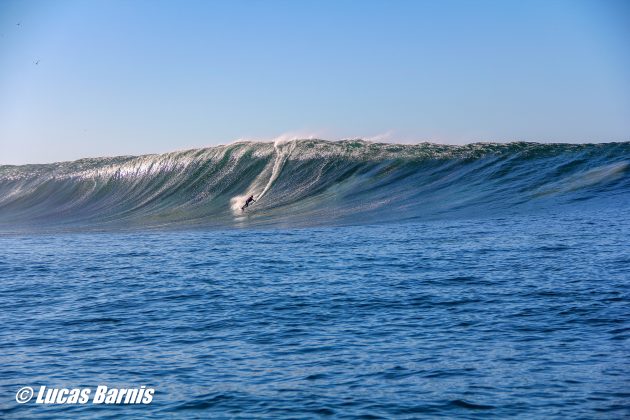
310 182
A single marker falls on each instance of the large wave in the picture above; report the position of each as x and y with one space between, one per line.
310 182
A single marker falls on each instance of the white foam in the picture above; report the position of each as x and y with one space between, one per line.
259 187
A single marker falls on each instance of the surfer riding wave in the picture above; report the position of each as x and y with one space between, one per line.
249 200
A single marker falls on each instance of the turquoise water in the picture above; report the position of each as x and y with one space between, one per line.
309 183
368 281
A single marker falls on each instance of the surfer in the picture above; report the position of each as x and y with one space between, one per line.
249 200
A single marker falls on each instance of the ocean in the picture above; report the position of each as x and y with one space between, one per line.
366 281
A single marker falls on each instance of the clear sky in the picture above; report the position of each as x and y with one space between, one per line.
93 78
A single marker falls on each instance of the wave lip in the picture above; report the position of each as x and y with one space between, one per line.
309 182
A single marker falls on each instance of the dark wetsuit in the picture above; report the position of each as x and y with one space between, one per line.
249 200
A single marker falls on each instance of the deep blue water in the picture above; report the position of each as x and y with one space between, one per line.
503 316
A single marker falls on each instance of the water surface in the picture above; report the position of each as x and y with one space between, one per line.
525 315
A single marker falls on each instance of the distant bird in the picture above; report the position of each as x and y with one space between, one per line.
37 63
18 24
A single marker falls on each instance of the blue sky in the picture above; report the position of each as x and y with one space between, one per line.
133 77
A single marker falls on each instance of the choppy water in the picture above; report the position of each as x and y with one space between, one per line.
367 281
524 315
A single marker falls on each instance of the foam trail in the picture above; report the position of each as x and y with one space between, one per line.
283 150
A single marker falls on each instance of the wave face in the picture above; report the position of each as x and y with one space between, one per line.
311 182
